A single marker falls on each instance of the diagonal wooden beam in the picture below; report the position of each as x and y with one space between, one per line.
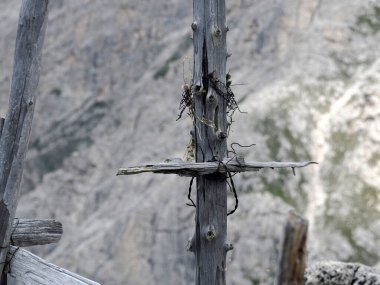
204 168
26 268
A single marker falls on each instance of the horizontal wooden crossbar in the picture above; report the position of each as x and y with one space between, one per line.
180 167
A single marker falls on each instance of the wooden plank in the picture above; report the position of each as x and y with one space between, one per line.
30 232
292 261
16 131
205 168
27 268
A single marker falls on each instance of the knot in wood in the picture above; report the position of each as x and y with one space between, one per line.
222 135
211 233
194 26
190 245
228 247
211 98
217 32
198 90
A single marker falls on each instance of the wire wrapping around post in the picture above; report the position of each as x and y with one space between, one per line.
189 194
13 231
7 262
230 184
232 188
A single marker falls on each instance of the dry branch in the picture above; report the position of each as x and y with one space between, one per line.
29 232
203 168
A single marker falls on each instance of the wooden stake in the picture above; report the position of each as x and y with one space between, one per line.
15 135
210 133
291 267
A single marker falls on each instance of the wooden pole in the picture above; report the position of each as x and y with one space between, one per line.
210 134
292 263
15 134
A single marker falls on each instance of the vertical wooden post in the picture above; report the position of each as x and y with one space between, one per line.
16 130
210 133
291 267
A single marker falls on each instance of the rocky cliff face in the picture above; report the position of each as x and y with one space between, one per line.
109 93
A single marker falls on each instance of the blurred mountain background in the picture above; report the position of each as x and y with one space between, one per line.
109 94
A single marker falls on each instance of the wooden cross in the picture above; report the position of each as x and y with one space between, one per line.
209 109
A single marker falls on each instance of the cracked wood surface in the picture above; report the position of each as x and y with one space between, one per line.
2 121
204 168
210 56
30 232
292 261
18 122
27 268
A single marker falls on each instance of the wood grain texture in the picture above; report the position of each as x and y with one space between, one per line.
16 131
292 262
205 168
29 269
30 232
210 134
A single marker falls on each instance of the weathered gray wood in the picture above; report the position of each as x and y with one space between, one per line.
15 135
29 232
27 268
204 168
292 261
210 134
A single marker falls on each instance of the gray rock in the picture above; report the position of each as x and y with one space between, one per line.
338 273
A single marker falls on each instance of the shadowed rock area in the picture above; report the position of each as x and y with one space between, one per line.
110 88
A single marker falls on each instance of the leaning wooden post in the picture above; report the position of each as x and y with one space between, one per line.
15 134
210 134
